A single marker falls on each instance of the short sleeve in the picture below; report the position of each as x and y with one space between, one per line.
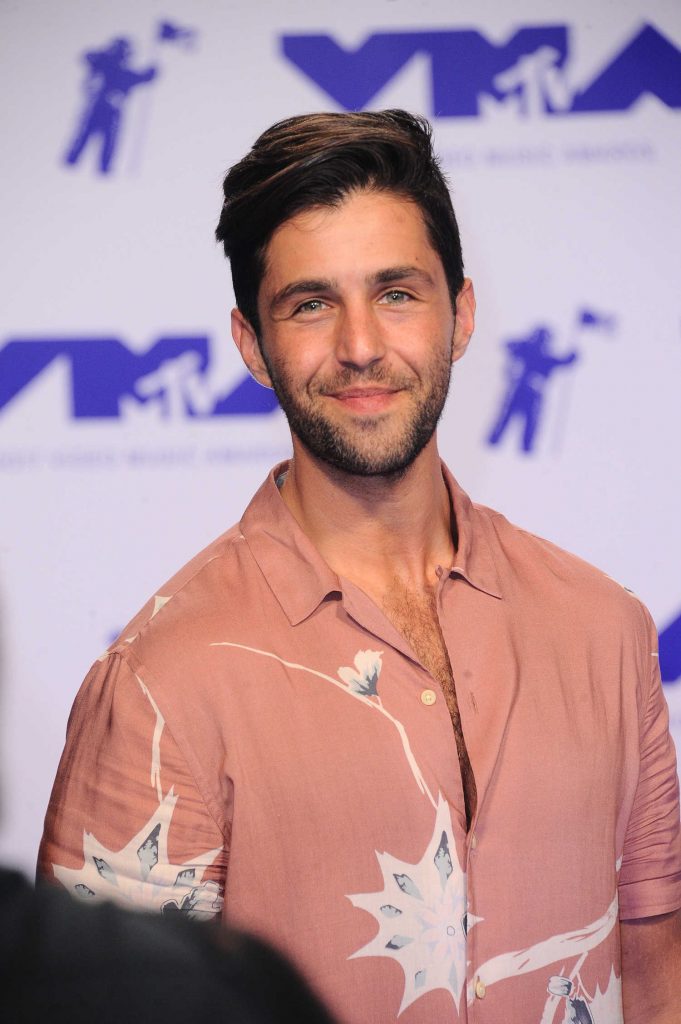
650 877
126 820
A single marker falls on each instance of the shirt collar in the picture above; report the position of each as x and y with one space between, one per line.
473 560
297 574
299 577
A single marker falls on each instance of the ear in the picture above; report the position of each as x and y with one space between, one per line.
465 319
247 342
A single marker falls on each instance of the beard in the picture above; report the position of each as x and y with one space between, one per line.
366 446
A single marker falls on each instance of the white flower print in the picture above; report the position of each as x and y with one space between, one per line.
363 678
422 915
364 661
140 875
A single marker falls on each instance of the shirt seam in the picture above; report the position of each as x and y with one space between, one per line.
668 906
139 669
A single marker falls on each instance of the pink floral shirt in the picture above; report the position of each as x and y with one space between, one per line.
261 743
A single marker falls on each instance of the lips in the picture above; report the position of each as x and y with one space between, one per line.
367 399
362 392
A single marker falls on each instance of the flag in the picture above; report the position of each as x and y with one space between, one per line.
589 318
168 32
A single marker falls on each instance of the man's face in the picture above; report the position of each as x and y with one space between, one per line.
357 332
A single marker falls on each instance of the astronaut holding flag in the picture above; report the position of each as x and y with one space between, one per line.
110 81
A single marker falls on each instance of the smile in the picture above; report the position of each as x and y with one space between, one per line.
365 400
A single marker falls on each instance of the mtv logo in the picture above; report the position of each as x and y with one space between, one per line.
108 379
528 71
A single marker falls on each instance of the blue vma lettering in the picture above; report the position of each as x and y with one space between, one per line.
529 70
106 376
670 651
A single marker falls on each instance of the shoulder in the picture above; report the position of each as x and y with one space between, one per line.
213 581
530 564
223 593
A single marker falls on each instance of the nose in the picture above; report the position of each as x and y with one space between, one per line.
359 340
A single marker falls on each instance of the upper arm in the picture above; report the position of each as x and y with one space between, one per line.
651 969
650 877
126 820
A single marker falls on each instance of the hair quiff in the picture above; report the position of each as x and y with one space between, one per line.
316 160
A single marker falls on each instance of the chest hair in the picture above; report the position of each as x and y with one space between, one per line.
414 614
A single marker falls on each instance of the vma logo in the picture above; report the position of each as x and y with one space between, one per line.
469 75
111 78
108 380
531 363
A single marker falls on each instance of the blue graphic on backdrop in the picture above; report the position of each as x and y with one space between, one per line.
109 380
110 81
530 72
670 651
531 363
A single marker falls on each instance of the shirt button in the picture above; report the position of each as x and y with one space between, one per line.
428 697
480 988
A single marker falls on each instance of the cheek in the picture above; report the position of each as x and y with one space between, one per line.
295 367
305 355
425 350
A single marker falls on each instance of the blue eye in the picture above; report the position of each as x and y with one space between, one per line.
311 306
395 297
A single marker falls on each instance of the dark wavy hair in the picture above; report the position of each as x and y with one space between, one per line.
316 160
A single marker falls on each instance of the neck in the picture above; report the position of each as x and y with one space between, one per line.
373 529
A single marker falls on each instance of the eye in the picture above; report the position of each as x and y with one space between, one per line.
310 306
395 297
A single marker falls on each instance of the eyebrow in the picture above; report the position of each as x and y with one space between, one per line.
309 285
304 287
392 274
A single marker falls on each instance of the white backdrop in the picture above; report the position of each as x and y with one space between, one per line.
558 126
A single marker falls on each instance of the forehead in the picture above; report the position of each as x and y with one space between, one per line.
365 232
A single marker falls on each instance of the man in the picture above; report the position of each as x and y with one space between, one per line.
424 752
